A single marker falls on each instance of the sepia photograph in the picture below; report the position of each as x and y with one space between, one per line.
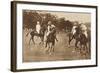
47 36
53 36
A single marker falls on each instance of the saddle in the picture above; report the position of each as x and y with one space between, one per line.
40 33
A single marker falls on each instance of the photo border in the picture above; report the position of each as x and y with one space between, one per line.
14 35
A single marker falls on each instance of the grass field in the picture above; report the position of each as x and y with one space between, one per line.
62 51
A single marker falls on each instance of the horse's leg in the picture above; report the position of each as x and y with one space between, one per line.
70 38
53 43
83 49
51 48
46 44
76 44
27 33
79 45
89 45
56 39
80 48
89 48
41 38
86 48
30 40
33 39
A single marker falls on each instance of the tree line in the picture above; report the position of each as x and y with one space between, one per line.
30 19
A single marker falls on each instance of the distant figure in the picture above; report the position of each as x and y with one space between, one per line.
83 29
38 27
49 28
74 28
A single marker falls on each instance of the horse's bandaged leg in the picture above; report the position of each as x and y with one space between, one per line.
48 33
85 33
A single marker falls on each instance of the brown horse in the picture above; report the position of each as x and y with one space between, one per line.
33 33
81 39
50 41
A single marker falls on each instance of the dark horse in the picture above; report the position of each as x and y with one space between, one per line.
50 41
80 38
85 42
76 36
34 33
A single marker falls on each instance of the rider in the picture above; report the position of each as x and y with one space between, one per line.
83 29
74 28
51 27
38 27
48 28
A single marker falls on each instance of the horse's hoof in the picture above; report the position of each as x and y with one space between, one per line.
73 51
50 53
31 49
68 46
76 47
46 50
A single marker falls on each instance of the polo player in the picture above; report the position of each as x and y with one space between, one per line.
84 29
50 29
74 28
38 27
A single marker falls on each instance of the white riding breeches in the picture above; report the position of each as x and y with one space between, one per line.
85 33
38 27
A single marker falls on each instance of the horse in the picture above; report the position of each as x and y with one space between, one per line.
74 34
85 41
80 38
50 41
33 33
